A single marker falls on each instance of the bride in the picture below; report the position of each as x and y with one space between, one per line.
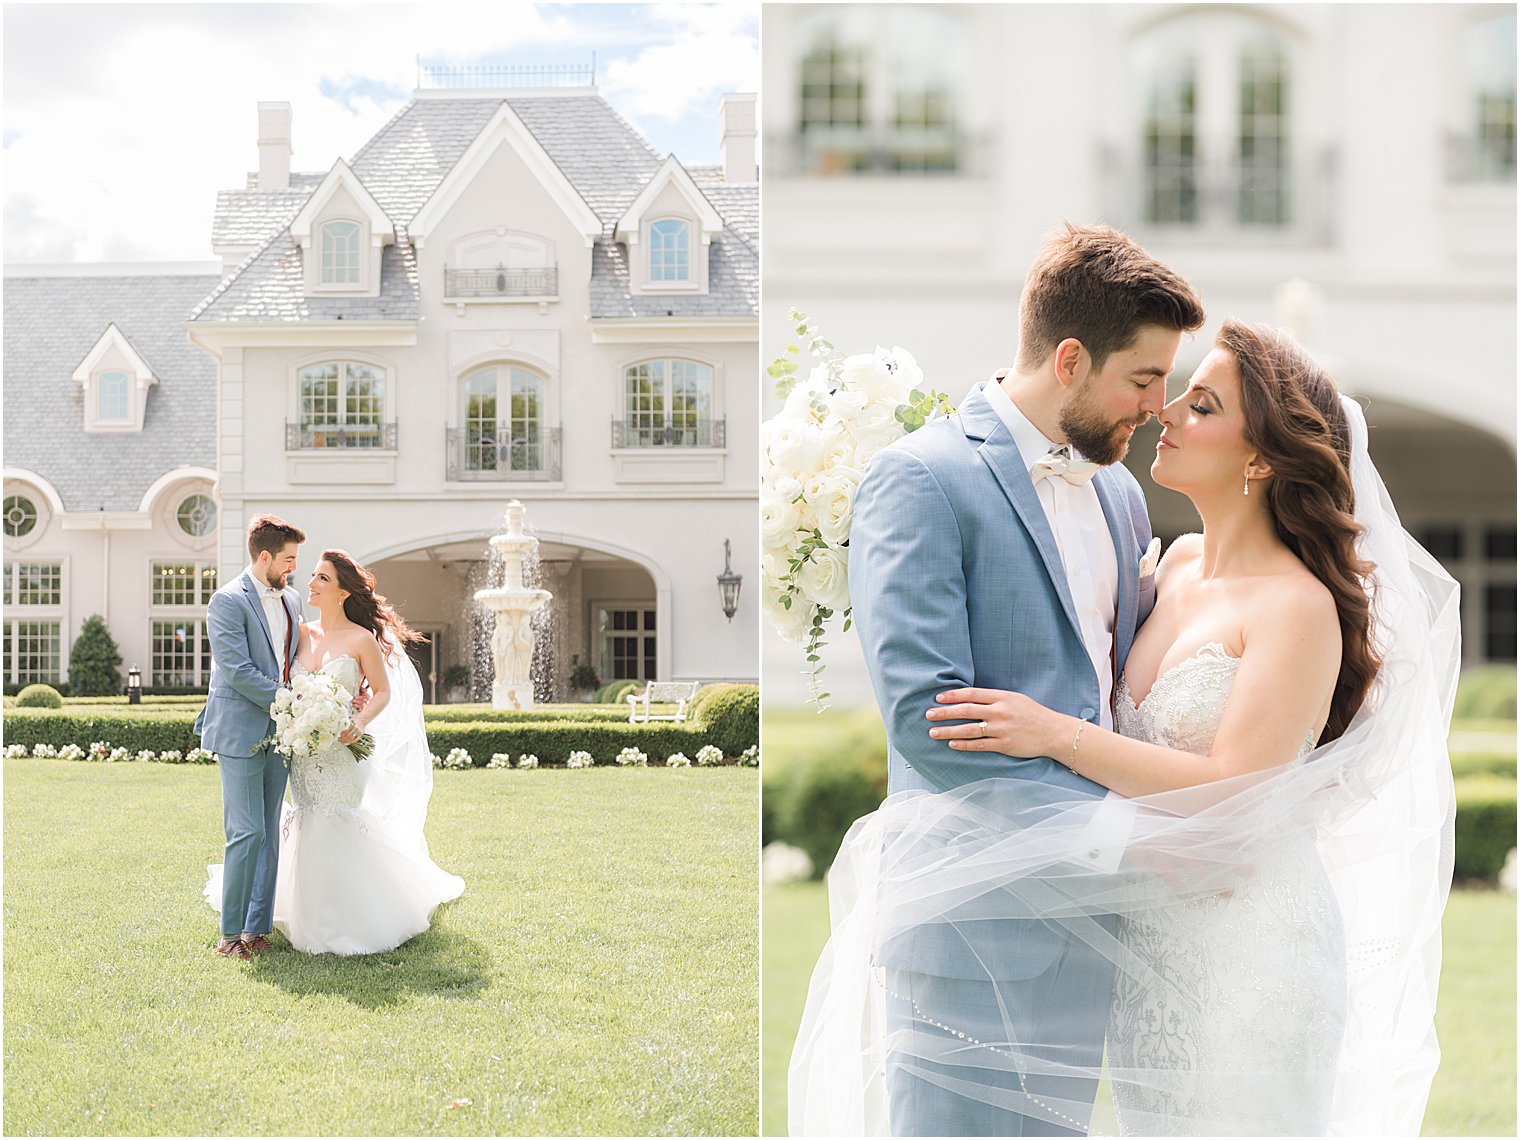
355 876
1280 739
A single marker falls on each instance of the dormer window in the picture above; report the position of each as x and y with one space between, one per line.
340 253
116 380
670 250
113 401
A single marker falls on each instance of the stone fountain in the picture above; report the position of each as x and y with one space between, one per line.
514 604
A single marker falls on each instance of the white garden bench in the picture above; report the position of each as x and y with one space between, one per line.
677 693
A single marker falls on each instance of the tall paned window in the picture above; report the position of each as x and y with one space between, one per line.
342 405
180 642
112 398
504 420
1216 129
33 625
627 642
669 250
340 253
878 89
1490 66
669 403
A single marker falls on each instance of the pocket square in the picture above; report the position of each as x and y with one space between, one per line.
1150 558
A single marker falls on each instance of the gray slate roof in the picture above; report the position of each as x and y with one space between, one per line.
404 163
50 324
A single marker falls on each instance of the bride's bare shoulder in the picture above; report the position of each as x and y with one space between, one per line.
1184 550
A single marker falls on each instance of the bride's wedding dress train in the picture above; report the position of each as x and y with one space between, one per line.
349 881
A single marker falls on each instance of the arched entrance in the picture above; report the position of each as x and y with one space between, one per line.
605 614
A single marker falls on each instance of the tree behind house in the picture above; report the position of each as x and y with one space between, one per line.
93 661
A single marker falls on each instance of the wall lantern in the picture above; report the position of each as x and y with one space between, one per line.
728 583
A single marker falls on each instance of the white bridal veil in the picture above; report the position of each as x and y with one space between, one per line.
1374 808
400 781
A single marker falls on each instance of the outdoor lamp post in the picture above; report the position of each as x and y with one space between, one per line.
134 686
728 583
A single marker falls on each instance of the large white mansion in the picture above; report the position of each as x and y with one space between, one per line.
1344 170
504 294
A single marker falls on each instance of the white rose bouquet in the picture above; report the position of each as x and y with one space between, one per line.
310 714
813 455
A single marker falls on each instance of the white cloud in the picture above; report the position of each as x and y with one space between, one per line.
123 121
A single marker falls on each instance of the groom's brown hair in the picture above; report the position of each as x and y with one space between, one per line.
1097 285
271 533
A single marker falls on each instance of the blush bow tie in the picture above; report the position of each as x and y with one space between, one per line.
1059 462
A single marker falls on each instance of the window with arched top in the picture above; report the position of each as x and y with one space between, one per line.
340 253
670 250
1489 66
342 405
1217 126
668 402
881 89
505 433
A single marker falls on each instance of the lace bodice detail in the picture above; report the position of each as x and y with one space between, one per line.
331 781
1221 1043
1185 704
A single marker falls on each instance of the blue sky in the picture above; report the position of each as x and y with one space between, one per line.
121 121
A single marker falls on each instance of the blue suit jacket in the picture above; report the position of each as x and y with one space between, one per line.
245 673
956 580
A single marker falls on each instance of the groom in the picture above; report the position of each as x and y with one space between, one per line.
1001 548
254 622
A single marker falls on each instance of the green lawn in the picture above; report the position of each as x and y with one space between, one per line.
1474 1091
599 976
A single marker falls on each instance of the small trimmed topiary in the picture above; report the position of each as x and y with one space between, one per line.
1485 826
94 660
730 717
39 697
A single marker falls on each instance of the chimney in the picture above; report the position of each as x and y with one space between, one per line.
274 146
736 124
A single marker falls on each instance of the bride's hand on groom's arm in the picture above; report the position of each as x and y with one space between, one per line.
997 720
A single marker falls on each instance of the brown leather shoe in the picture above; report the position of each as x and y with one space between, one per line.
258 944
232 948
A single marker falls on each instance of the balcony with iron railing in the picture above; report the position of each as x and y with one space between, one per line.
475 284
1281 199
647 431
477 456
339 437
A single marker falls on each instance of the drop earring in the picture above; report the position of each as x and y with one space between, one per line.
1246 490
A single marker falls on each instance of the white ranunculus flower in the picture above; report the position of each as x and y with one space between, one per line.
779 520
908 371
784 485
824 578
846 404
792 624
872 374
831 494
798 447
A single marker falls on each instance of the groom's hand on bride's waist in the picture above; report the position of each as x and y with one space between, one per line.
362 697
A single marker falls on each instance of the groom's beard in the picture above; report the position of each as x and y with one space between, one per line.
1099 439
275 580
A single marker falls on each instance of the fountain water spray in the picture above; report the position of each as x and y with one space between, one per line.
512 640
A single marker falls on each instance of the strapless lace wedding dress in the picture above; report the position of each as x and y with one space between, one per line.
1240 1034
346 884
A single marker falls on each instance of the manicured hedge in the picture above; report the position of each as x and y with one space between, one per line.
732 725
1486 692
731 715
39 697
157 730
1465 764
471 714
1485 826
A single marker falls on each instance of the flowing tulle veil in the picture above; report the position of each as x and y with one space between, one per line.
1375 807
400 781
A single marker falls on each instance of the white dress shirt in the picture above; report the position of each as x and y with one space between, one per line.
274 616
1085 544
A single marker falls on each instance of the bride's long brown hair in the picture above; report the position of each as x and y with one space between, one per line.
366 608
1295 422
